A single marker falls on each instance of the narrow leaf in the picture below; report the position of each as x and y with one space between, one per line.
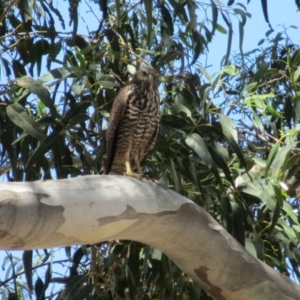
215 12
27 263
280 160
43 148
62 73
241 39
118 9
179 108
174 176
36 87
197 45
230 134
148 8
264 4
168 57
39 289
21 118
296 74
238 222
195 142
271 157
167 18
276 212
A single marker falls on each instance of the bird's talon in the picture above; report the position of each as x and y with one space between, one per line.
134 175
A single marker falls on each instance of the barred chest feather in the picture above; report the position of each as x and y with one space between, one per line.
143 102
143 114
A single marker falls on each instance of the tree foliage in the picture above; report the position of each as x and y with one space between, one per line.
228 141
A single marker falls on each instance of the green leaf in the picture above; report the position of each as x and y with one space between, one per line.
27 262
174 176
259 246
242 14
39 289
168 57
250 248
113 40
215 12
176 122
192 7
250 86
197 45
274 112
21 118
219 161
260 102
231 70
45 145
278 206
297 105
227 216
167 18
106 81
80 118
280 160
238 222
191 173
296 74
133 261
75 290
148 8
295 59
205 73
261 72
195 142
36 87
118 9
229 41
146 51
241 38
179 108
221 29
256 120
271 157
264 4
62 73
80 57
230 134
290 213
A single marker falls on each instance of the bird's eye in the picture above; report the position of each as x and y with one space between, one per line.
144 73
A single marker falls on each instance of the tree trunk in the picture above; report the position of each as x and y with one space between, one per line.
91 209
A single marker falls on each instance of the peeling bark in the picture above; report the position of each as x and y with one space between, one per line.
93 209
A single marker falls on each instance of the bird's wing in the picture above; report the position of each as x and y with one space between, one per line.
115 119
151 143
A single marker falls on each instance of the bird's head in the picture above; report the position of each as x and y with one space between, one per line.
147 76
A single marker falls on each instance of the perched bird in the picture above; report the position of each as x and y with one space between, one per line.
133 124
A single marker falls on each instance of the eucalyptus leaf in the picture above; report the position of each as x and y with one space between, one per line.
21 118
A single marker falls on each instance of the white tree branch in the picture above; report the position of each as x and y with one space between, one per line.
91 209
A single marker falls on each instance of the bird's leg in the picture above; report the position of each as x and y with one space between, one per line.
139 170
130 173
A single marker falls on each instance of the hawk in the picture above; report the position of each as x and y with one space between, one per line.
133 124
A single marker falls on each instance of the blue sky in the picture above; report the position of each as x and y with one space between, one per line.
281 13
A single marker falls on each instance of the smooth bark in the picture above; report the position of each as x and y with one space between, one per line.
91 209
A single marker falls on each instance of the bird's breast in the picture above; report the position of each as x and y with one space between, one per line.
143 104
